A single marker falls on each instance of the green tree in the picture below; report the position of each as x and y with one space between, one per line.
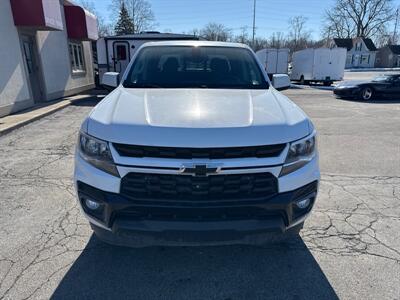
124 24
140 12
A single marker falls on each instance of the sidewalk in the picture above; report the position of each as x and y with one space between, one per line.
373 70
22 118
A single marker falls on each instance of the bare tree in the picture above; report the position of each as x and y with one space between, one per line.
104 28
243 36
216 32
139 10
194 31
364 18
298 36
277 40
259 43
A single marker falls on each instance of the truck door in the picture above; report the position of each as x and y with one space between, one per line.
121 56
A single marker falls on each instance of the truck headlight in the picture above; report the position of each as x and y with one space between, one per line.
300 153
97 153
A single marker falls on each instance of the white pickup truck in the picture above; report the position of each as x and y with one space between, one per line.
196 145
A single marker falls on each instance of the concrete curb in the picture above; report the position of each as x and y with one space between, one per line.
372 70
35 114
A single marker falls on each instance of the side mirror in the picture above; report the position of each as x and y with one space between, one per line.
281 81
110 79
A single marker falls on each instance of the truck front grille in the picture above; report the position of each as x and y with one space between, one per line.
193 153
186 190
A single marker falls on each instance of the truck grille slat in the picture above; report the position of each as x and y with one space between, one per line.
184 188
205 153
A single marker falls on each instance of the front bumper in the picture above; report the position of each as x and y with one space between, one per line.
122 221
347 92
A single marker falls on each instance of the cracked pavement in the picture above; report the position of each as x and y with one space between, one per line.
350 246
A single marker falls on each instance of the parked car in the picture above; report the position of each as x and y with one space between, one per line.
322 65
195 145
380 86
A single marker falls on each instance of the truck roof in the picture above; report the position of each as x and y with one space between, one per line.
196 43
153 36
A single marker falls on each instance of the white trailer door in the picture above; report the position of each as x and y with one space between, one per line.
322 64
282 61
272 61
121 56
338 58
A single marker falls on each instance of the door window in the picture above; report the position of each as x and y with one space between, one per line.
28 56
121 52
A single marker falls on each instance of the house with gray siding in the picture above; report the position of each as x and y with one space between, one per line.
361 52
45 50
388 57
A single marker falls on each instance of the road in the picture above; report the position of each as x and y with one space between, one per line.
350 247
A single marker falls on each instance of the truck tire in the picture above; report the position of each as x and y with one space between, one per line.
327 83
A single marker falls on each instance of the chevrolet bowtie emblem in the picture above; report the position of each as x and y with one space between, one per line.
200 169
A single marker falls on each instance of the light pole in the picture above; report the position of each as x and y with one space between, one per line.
254 21
395 27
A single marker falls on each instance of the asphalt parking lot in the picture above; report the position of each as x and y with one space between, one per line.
350 247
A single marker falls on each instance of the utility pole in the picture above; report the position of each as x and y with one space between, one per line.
133 16
254 22
395 27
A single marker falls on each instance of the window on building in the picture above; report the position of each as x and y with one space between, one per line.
349 59
358 46
77 58
365 59
28 56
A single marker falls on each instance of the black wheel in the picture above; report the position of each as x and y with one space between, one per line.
302 81
327 83
367 93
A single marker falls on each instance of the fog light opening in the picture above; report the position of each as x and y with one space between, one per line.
304 203
91 204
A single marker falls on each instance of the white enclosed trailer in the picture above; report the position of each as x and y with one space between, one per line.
318 65
115 52
275 61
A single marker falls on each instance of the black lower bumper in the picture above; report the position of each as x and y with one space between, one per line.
124 221
347 93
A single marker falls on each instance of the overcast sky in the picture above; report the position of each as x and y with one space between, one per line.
272 15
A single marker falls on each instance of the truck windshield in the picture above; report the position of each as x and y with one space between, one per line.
195 67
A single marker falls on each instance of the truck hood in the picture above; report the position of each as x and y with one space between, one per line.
197 118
